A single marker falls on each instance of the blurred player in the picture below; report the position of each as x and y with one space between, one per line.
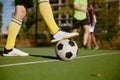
21 7
92 20
80 19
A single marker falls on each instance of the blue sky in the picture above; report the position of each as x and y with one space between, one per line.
8 10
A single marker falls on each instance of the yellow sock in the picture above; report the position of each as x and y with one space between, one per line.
46 12
13 29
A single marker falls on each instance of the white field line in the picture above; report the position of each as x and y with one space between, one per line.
46 61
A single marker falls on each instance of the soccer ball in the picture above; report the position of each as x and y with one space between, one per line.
66 49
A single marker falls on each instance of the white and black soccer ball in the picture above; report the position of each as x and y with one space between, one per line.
66 49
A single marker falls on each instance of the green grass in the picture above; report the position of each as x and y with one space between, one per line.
89 65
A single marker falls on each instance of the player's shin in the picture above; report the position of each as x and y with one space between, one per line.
46 12
13 29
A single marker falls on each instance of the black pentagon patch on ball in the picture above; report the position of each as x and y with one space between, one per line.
68 55
71 43
60 46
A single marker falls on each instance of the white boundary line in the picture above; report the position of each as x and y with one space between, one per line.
45 61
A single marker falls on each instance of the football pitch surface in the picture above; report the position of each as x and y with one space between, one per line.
44 65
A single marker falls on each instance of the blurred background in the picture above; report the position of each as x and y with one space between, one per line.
34 31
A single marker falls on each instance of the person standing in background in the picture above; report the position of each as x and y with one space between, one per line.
80 19
92 22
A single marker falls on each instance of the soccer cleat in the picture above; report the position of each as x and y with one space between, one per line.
14 52
96 47
63 35
84 47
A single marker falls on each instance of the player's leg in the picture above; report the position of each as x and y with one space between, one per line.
84 24
89 41
90 36
13 30
14 27
85 36
94 41
46 12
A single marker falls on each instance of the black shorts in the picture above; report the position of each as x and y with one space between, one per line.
29 3
78 23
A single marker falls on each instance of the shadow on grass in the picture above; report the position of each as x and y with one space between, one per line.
43 56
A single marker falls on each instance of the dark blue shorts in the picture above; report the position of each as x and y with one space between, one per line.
28 3
78 23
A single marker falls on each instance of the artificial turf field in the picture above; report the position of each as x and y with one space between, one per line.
43 65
